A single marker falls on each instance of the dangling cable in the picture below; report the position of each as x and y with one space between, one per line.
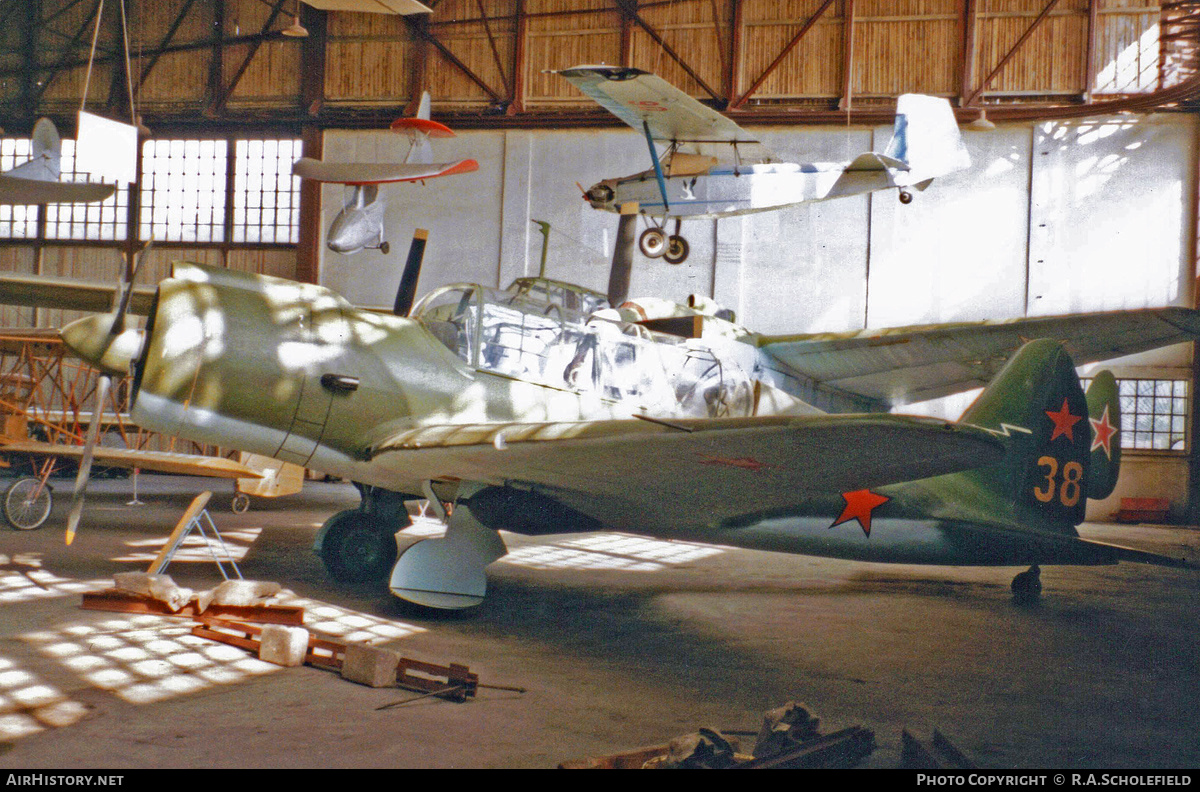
87 80
128 72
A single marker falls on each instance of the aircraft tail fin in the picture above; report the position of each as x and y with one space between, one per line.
1037 404
46 151
926 137
1104 415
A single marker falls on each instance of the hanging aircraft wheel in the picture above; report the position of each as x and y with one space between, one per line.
905 197
652 243
384 248
27 504
1027 586
677 249
357 547
240 504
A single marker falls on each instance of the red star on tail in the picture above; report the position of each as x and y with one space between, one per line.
859 505
1102 433
1063 422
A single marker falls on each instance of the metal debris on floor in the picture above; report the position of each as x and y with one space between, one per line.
941 755
789 738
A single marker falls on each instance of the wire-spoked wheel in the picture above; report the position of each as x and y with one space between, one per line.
27 503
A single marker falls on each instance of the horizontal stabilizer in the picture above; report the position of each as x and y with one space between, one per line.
871 161
377 172
1141 556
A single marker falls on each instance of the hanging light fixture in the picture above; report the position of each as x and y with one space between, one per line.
295 30
981 124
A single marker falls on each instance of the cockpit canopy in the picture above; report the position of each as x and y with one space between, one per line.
549 333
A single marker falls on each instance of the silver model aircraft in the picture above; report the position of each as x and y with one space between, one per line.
711 167
37 181
360 223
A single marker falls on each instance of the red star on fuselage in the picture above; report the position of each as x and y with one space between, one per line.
859 505
1103 431
1063 422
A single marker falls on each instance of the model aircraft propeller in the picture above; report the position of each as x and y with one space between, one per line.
112 348
412 271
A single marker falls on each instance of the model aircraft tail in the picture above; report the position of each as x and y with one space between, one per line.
46 151
1104 415
1037 404
926 138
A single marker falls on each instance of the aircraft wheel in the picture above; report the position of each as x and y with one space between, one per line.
677 249
240 504
1027 586
905 197
652 243
385 248
357 547
27 504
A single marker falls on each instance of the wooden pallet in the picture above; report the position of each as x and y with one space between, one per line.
128 602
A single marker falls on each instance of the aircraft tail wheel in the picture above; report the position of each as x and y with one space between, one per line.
240 504
652 243
677 250
385 248
1027 586
27 504
906 197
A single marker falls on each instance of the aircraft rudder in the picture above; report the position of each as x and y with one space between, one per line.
1104 416
1037 404
925 135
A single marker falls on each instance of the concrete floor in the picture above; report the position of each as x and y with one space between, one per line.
621 642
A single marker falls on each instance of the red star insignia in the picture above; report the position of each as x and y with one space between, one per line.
859 505
1102 433
1063 421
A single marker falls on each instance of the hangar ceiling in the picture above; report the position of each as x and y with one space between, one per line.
228 62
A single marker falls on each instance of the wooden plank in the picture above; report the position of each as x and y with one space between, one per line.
193 510
127 602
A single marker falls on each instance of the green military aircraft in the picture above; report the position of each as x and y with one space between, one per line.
550 408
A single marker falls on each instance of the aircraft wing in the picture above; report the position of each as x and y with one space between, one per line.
159 461
44 291
907 364
690 472
17 190
637 97
378 172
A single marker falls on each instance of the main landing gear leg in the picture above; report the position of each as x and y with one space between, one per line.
1027 586
359 545
448 573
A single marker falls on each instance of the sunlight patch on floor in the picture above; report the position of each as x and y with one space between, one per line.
29 705
195 548
22 579
144 659
614 551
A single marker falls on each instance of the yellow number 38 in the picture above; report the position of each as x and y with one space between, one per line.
1072 481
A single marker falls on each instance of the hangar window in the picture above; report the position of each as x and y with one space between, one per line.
100 220
16 222
1154 413
183 190
266 196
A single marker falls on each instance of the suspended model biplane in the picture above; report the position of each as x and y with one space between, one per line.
37 181
711 167
544 409
360 222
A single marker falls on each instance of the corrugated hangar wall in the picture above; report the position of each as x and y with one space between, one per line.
1053 217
